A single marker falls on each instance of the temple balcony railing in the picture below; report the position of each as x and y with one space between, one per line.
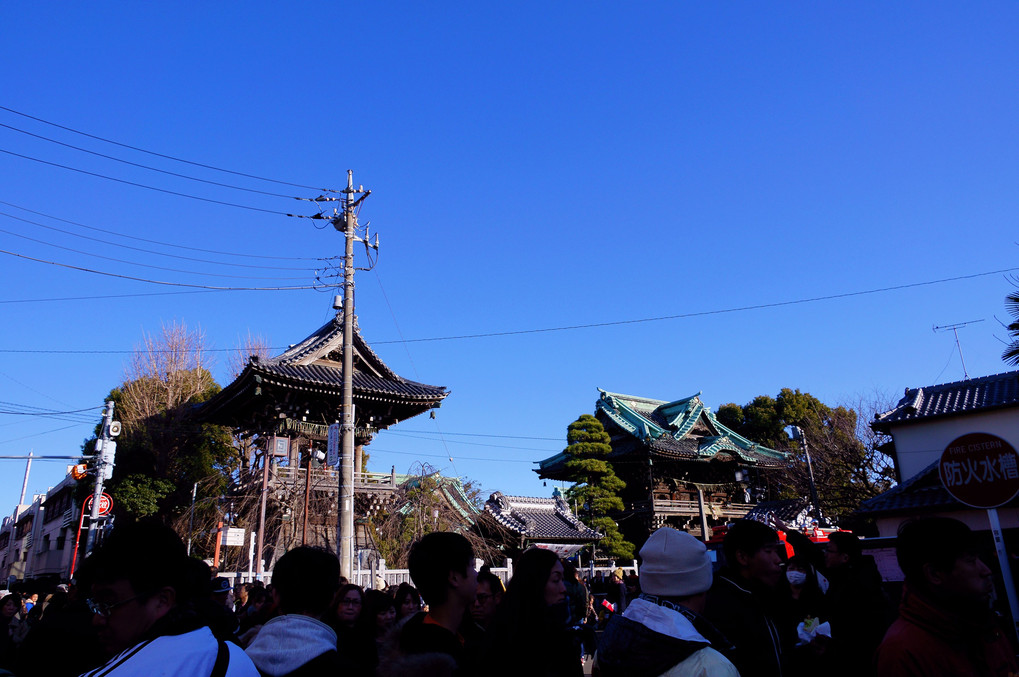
668 507
328 479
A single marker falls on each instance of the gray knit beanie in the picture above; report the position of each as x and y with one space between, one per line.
674 564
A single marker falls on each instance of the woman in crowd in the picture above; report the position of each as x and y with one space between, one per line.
408 602
804 610
351 640
10 606
375 623
530 634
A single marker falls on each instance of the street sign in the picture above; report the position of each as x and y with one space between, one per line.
105 505
233 536
281 446
333 445
980 470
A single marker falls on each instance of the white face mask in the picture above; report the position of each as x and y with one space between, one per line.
796 577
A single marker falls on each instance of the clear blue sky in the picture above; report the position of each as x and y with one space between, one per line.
533 165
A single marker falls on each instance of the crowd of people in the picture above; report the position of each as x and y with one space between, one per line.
140 606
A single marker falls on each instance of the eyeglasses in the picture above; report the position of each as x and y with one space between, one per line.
104 608
351 602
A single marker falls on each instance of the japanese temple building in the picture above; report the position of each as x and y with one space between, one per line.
289 401
682 467
543 522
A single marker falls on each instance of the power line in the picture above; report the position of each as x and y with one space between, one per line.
111 296
153 169
160 282
148 251
167 157
141 265
142 185
704 313
164 244
507 437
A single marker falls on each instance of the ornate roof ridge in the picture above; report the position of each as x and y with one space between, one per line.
327 338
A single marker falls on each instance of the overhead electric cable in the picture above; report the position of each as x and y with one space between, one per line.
704 313
143 265
149 251
160 190
165 244
167 157
112 296
152 169
160 282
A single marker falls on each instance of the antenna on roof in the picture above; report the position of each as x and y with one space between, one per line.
955 329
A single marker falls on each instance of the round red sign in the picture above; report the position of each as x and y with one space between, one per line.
105 504
980 470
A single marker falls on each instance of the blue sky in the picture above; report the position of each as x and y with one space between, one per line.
533 166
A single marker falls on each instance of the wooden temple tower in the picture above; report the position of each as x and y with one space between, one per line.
681 466
284 406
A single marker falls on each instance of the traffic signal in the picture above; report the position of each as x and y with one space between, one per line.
79 472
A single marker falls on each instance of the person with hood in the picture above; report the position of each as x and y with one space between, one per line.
946 627
297 643
662 632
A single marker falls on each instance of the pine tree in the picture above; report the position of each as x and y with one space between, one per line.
596 485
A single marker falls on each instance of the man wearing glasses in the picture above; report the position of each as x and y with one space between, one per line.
141 601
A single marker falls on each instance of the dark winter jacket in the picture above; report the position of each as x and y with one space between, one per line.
651 640
930 641
419 637
743 612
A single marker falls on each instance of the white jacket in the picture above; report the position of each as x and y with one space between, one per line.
192 654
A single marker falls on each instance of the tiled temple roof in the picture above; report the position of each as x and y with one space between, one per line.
949 399
547 519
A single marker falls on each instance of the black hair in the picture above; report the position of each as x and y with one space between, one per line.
306 579
495 583
522 617
403 593
375 603
746 536
938 541
149 556
848 544
431 560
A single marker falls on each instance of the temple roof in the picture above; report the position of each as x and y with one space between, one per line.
545 519
312 370
683 430
960 397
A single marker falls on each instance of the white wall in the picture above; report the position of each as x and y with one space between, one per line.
919 444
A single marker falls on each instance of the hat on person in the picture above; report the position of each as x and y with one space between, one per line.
220 585
619 573
63 587
674 564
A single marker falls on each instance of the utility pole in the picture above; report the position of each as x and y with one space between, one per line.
797 434
106 448
347 221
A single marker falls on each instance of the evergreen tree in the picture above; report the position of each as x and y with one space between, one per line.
596 485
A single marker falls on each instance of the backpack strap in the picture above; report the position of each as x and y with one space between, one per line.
222 660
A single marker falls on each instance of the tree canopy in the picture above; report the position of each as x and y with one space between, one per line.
596 485
846 457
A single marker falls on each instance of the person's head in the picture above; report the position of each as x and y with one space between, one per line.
139 574
407 600
676 566
349 601
753 549
486 597
538 579
843 550
441 565
938 556
219 590
305 581
379 612
799 572
9 606
241 592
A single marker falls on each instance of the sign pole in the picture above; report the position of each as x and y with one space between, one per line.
1006 568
